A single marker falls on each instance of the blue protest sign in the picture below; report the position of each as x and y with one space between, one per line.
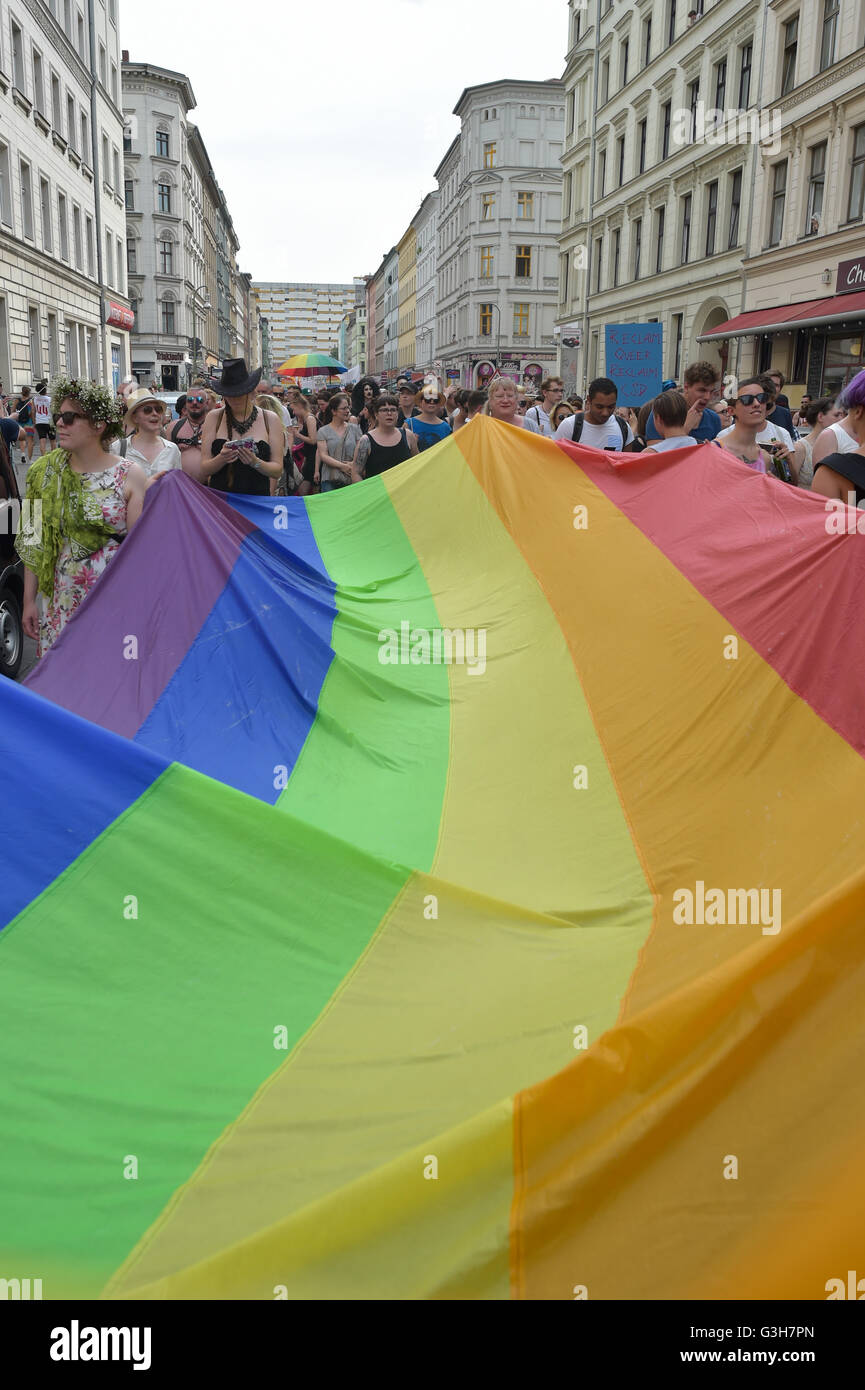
635 360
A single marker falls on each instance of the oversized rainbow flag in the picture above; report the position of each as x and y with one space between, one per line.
451 887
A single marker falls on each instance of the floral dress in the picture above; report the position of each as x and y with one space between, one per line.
76 570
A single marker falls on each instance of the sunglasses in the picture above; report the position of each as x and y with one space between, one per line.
68 417
151 409
760 397
196 400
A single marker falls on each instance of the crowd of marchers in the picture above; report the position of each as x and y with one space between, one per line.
99 453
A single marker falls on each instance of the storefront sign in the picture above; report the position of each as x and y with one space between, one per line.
118 317
572 335
170 357
508 365
851 276
453 374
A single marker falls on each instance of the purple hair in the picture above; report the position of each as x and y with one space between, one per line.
853 393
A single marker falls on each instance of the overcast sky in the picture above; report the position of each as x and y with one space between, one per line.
325 123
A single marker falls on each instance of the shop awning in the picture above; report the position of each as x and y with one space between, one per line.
837 308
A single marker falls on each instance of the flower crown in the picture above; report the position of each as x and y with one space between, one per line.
97 402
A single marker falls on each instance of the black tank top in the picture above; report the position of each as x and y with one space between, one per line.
851 467
239 477
384 456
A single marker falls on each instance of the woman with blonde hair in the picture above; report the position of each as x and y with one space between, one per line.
144 442
502 402
560 412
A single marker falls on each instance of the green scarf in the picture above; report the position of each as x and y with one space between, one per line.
68 513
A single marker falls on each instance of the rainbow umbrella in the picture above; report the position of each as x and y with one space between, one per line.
311 364
423 911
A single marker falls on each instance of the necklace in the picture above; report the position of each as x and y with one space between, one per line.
240 425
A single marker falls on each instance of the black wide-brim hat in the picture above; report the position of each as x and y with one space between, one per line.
235 379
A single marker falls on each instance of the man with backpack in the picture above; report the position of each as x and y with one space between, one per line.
598 427
552 390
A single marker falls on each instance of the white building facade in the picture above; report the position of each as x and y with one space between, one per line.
426 229
63 305
305 317
499 220
666 120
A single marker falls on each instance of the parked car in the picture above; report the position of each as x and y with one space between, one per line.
11 572
170 398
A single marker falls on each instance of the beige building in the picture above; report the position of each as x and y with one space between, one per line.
407 253
804 274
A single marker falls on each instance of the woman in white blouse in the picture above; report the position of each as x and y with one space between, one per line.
144 443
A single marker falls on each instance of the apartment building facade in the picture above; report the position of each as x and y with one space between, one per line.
499 221
305 317
426 243
63 303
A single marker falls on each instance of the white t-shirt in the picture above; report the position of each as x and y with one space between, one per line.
607 436
769 434
659 446
540 420
42 410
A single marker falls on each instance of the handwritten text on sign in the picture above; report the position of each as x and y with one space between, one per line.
635 360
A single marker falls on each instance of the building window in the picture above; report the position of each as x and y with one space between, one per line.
115 160
168 316
856 201
746 53
485 320
26 200
64 226
488 202
816 185
119 264
602 172
647 41
791 44
86 152
638 246
127 140
521 320
617 246
489 154
523 267
693 102
71 123
678 324
779 193
102 71
626 57
525 205
163 197
162 144
721 84
605 81
5 188
643 127
620 159
486 262
17 57
106 167
599 256
129 194
35 341
38 82
77 244
80 30
166 258
671 21
53 347
686 228
88 237
666 111
56 113
660 221
109 261
45 210
830 31
711 217
114 83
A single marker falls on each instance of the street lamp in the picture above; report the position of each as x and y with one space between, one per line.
205 304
